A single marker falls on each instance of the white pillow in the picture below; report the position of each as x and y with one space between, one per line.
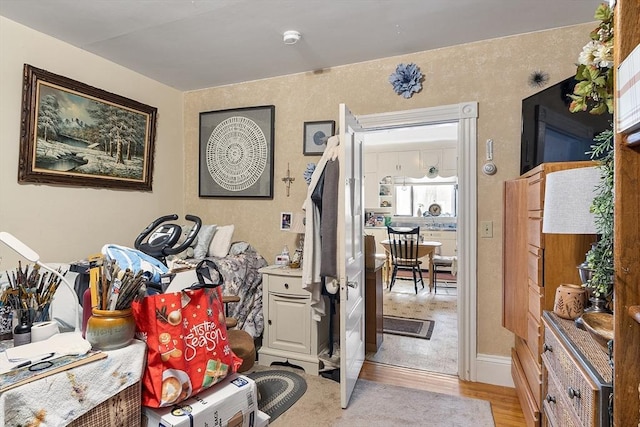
221 242
238 248
205 235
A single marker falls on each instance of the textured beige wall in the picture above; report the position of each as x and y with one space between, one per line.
65 224
493 72
69 223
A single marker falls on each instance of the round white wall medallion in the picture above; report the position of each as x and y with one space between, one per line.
236 153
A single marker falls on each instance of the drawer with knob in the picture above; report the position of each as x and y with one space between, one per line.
574 391
286 285
577 387
558 414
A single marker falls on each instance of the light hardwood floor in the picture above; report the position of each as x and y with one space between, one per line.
504 402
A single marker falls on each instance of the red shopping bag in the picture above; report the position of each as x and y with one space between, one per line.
187 345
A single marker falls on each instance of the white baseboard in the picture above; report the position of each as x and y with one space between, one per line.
494 370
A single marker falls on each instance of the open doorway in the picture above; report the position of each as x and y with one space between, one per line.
422 329
464 116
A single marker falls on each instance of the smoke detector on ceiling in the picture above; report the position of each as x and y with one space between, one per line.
291 37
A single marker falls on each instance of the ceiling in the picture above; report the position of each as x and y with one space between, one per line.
439 135
194 44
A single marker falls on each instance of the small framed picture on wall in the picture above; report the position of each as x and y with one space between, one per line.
285 221
316 135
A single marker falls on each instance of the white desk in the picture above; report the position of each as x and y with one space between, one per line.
73 394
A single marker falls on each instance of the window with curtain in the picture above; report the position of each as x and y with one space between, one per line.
411 197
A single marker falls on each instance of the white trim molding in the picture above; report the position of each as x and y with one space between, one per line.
465 115
494 370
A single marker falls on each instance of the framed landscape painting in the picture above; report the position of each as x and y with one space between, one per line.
78 135
236 152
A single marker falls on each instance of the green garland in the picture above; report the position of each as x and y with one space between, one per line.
600 256
594 93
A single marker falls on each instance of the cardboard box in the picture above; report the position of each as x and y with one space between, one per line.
175 282
232 402
262 419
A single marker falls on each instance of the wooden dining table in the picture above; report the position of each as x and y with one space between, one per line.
425 248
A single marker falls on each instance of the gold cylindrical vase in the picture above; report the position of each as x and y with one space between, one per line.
110 329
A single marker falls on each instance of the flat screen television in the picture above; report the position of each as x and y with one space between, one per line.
551 133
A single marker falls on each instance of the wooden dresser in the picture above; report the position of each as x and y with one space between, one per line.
535 264
577 376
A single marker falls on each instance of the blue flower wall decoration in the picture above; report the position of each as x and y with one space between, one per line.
406 80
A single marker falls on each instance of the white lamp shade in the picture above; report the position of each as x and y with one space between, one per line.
297 223
568 197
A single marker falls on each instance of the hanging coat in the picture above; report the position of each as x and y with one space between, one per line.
311 267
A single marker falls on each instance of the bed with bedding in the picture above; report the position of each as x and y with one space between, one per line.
241 278
238 262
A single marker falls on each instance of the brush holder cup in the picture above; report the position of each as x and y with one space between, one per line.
110 329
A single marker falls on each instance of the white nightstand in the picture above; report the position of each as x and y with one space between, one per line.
290 334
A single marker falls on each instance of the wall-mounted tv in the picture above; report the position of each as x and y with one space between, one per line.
551 133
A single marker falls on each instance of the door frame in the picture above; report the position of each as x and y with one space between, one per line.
465 114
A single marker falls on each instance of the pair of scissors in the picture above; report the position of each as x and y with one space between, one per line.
37 364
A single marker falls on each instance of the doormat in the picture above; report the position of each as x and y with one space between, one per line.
408 327
278 391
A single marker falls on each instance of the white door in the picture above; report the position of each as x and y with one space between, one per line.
350 254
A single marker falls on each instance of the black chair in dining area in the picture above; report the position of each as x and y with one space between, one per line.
403 247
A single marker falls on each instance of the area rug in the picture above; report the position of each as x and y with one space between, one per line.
408 327
376 404
278 390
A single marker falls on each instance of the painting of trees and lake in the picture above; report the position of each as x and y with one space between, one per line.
75 134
